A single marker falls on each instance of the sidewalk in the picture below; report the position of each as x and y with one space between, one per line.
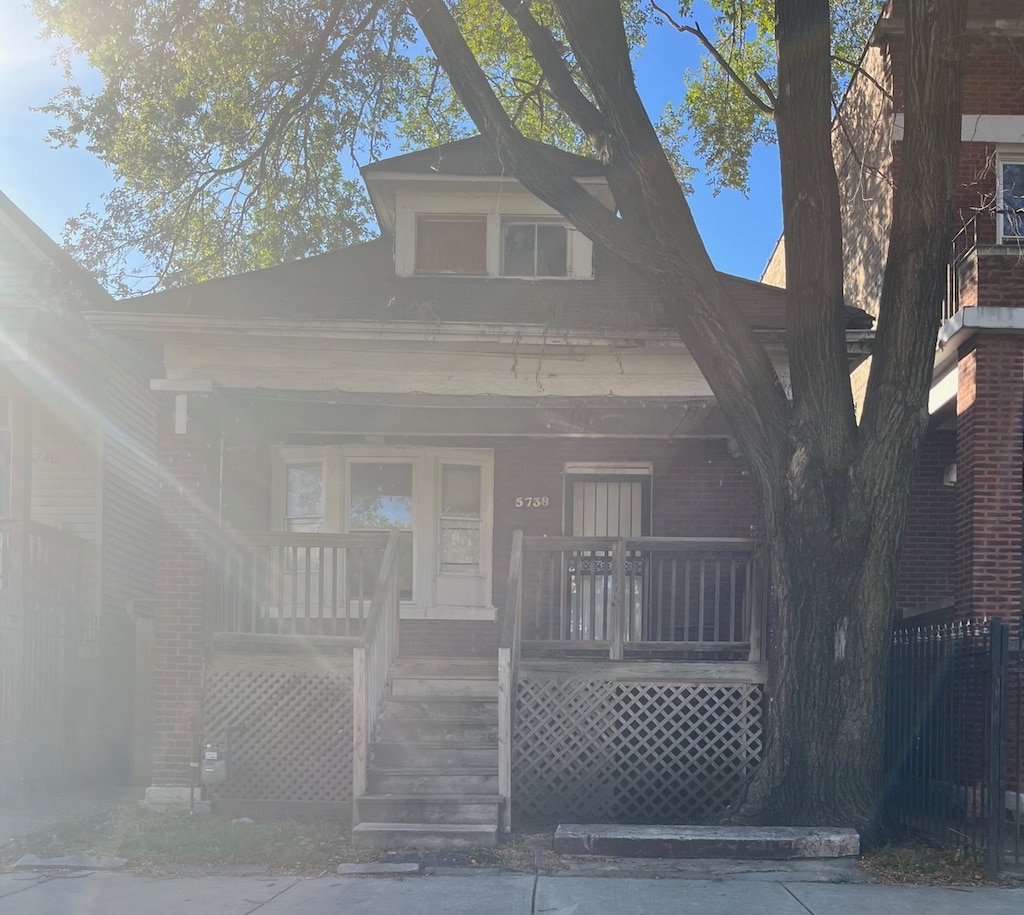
723 890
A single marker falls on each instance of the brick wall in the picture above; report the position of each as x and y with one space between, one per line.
188 466
990 400
927 564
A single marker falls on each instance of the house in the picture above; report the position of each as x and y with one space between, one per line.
962 550
452 524
77 508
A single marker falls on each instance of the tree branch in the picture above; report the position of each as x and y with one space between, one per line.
698 33
548 54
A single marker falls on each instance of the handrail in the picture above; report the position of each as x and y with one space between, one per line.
641 594
371 665
508 659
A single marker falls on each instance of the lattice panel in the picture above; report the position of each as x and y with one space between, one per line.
601 751
289 733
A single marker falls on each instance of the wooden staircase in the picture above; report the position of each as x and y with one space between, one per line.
433 774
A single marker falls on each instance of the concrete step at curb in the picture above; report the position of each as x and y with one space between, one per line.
424 835
750 842
448 780
452 687
466 754
440 707
439 730
430 808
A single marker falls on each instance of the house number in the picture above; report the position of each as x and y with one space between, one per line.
532 501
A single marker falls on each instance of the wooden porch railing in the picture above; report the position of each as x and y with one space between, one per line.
371 665
640 597
508 654
296 584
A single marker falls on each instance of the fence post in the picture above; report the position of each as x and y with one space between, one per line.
998 644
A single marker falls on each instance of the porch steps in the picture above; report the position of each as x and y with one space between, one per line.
433 774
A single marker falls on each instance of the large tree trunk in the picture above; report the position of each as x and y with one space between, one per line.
833 495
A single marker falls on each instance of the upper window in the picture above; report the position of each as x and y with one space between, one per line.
1011 198
451 245
534 249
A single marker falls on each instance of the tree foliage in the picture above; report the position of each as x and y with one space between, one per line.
233 126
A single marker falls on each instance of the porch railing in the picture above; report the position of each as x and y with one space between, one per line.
508 656
640 597
371 665
296 583
961 256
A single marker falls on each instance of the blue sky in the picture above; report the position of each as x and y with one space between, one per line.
52 185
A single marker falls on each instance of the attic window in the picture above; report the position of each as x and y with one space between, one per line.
451 245
531 248
1011 197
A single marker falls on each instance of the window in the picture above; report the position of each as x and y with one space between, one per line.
304 498
380 498
461 519
1011 198
439 499
534 249
451 245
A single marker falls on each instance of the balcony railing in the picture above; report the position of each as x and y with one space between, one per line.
295 584
962 261
643 597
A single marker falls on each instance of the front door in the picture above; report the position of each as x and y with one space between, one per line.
604 505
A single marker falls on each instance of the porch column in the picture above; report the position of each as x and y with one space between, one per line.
188 472
990 400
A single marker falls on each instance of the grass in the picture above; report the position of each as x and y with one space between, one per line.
925 864
150 840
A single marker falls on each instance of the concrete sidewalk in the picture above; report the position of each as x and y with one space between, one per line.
732 889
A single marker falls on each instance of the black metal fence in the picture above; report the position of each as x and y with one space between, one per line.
954 733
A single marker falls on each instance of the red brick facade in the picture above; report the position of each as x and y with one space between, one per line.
988 526
188 476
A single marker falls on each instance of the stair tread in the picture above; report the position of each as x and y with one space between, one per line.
440 744
434 770
425 827
443 668
439 798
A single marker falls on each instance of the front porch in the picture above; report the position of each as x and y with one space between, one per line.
627 685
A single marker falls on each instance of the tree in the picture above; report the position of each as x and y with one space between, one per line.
833 492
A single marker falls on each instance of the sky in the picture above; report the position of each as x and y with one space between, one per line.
52 185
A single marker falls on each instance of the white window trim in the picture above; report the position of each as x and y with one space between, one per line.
1006 155
337 459
496 209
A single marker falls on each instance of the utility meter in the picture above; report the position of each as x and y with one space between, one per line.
213 769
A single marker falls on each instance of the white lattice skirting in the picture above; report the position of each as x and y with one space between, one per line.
631 752
289 733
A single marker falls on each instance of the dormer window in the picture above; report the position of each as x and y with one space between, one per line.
537 249
452 234
455 245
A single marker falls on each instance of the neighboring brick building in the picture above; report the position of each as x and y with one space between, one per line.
962 551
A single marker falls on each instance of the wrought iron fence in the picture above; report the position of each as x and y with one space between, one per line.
954 737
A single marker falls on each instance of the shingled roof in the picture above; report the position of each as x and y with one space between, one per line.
359 283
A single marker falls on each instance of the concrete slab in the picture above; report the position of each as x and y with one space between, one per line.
751 843
79 862
577 895
378 869
507 895
123 894
797 870
909 900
